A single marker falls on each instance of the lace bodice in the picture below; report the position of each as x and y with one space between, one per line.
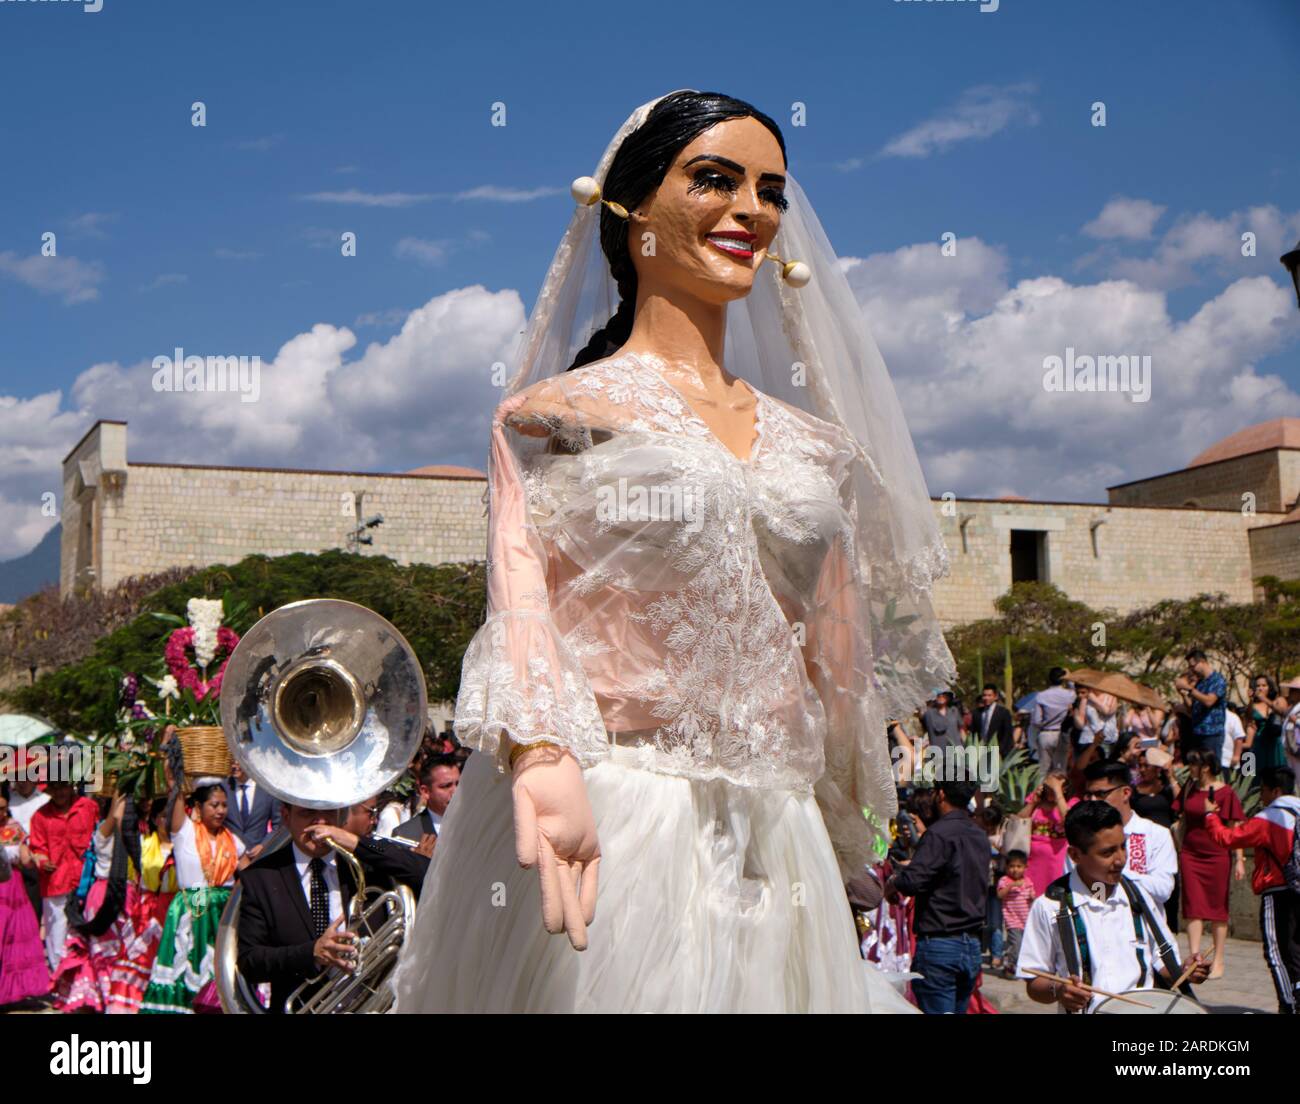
646 585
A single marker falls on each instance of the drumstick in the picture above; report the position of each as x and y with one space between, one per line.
1188 972
1088 988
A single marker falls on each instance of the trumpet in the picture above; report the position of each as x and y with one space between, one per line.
323 704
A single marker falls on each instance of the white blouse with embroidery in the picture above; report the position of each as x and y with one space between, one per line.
648 586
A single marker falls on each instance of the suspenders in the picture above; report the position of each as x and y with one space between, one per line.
1074 936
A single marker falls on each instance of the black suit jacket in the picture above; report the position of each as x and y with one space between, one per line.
275 930
385 859
263 814
1000 728
417 826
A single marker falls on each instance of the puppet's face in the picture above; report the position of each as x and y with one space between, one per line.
713 217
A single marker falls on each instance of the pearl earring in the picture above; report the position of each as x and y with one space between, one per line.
795 273
586 191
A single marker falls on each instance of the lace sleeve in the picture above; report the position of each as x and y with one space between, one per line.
858 776
519 676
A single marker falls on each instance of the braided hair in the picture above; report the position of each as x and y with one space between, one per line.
638 168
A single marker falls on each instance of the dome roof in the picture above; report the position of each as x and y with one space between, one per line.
1279 433
454 471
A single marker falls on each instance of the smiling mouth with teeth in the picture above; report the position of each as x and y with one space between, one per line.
734 247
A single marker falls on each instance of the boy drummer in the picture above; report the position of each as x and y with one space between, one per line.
1093 925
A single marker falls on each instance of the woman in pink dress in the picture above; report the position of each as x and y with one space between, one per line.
1046 811
23 969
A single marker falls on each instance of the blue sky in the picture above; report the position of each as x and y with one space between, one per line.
922 118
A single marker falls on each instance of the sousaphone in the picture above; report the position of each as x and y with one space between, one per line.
323 704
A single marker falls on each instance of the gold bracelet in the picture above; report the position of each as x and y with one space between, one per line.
519 749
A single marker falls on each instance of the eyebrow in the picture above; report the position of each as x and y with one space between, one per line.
727 163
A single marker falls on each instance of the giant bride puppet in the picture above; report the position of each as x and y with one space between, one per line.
711 555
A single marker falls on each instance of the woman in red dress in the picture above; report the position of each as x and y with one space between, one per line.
1203 865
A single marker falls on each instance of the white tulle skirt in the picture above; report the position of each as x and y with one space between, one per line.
713 898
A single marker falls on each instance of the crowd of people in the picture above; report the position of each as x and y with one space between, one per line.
1134 828
971 886
112 905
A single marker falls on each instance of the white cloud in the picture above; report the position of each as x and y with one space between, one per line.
966 352
1199 244
981 112
507 195
166 279
1132 219
422 396
91 224
76 281
359 198
423 250
224 254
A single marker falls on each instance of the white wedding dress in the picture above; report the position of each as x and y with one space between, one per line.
702 653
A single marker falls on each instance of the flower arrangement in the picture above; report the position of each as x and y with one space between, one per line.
187 692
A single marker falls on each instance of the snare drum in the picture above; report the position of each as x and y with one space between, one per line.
1157 1002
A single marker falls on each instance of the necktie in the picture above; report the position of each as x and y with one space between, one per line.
988 716
243 802
320 899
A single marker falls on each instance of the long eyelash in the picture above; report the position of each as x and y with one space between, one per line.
711 180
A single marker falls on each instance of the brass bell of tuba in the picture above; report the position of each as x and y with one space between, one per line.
323 704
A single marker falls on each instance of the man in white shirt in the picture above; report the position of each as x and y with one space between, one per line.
1234 733
1152 857
1125 941
1045 720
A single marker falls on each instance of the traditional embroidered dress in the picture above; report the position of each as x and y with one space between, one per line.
24 972
84 976
184 966
157 882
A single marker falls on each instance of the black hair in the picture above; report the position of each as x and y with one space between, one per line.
424 775
991 686
1194 656
1278 778
1199 757
157 807
1017 856
202 793
1272 685
1056 676
1086 819
637 169
957 794
1110 770
923 804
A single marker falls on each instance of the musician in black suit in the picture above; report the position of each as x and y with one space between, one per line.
384 860
293 908
992 721
252 814
438 778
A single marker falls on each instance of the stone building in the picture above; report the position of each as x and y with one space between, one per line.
125 517
1226 519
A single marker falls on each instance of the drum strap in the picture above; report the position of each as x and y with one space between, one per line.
1074 936
1168 956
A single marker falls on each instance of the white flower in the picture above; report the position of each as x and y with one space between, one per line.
167 687
126 741
204 615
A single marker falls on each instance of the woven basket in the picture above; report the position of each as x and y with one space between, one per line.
204 750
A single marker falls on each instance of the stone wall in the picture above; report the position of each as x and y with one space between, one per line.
147 517
1272 476
1275 550
1132 558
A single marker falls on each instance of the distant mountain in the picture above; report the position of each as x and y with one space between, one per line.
27 574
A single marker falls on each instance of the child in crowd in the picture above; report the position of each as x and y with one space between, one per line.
1017 893
990 819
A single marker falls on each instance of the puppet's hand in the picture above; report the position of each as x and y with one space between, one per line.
555 829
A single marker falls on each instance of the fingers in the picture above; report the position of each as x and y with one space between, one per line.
567 874
587 894
525 828
549 876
